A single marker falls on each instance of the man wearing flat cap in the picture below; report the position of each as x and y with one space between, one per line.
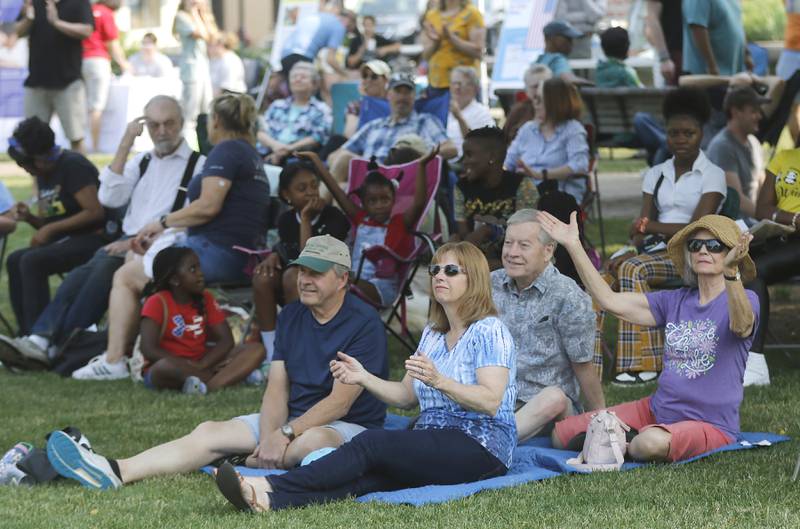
303 409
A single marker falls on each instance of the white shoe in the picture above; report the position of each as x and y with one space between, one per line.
30 349
194 386
99 368
756 372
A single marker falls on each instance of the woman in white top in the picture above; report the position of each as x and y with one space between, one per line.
674 194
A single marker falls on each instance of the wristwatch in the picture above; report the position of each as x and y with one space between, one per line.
737 277
163 221
288 431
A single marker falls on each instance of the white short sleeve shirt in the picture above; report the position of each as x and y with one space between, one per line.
676 201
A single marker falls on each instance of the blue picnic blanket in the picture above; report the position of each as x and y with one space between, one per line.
534 460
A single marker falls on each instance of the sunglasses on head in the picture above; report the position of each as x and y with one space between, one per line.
712 245
450 270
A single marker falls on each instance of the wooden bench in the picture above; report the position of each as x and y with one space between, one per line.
611 110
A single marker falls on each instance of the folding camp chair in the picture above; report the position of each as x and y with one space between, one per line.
402 267
590 202
3 246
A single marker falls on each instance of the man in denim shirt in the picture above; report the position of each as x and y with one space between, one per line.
553 325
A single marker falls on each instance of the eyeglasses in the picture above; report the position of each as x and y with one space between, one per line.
712 245
450 270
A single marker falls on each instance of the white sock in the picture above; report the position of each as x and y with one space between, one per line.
40 341
268 339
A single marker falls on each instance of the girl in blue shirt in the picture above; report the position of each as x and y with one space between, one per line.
463 378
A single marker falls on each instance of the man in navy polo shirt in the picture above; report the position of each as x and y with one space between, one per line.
303 408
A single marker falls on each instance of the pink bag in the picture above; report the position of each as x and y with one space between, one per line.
605 444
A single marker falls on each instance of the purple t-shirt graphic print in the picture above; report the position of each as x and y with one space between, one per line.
704 360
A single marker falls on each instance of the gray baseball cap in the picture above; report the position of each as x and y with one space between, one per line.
322 252
561 27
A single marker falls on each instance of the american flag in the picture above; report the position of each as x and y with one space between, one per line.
541 14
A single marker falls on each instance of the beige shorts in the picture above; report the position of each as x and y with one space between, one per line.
68 103
97 76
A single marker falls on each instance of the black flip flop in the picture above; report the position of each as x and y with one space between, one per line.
12 358
229 485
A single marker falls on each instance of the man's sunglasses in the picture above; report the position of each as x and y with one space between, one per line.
712 245
450 270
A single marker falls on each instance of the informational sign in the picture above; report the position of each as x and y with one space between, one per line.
521 40
289 13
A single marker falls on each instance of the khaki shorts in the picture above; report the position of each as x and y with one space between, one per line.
68 103
346 430
97 75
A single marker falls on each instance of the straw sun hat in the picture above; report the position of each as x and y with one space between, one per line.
723 229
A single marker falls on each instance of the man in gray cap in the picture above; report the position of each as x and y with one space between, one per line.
559 36
303 409
377 137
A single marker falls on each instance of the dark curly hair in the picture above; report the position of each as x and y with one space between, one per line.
35 136
165 266
687 101
492 137
375 178
291 170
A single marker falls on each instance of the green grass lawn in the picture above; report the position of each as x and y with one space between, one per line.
745 489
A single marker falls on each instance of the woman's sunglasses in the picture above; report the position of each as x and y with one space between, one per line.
712 245
450 270
370 77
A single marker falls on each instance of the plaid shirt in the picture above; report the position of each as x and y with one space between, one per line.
315 120
379 135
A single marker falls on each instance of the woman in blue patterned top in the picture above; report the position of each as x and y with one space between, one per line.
462 376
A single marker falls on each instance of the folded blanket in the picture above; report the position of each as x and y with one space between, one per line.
534 460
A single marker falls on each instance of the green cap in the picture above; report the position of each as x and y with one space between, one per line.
322 252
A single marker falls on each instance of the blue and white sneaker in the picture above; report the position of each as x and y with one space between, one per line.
76 461
194 386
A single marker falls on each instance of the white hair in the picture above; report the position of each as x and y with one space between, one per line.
307 66
530 215
340 270
469 73
536 69
689 275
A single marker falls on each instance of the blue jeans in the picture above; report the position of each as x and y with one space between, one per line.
653 137
81 299
220 264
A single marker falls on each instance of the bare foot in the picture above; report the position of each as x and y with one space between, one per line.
254 492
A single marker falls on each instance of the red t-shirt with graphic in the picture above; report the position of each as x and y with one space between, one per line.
187 331
105 30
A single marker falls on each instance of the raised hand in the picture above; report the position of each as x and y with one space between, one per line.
564 234
738 252
348 370
430 156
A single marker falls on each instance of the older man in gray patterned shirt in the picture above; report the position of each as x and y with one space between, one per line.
552 322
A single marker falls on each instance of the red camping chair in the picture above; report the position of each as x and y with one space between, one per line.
386 261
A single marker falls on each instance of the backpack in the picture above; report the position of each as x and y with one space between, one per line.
76 351
605 444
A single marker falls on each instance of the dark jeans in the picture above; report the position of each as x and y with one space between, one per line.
652 136
29 270
775 262
385 460
81 299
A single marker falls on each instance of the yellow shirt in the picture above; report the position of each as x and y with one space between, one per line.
447 56
786 168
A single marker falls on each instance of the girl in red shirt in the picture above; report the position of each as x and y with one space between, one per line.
185 339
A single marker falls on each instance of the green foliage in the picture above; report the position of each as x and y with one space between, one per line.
763 19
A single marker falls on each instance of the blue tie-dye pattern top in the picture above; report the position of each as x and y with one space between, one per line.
485 343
